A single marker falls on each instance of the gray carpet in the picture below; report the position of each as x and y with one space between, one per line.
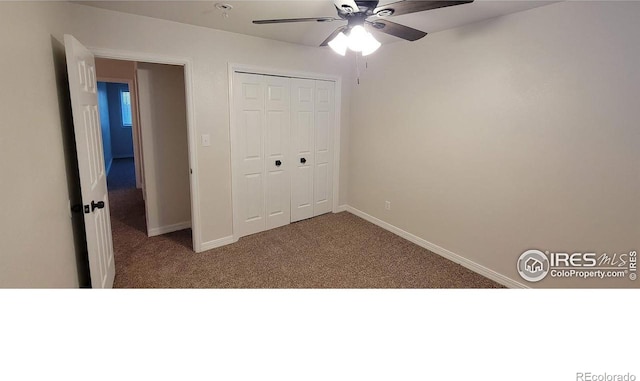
329 251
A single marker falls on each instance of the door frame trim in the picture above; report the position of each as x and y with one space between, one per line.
187 64
260 70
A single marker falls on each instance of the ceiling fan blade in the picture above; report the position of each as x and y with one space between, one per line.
404 7
397 30
333 35
306 19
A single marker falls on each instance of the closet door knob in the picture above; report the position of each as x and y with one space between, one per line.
278 163
303 160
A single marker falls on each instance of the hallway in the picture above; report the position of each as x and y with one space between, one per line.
122 174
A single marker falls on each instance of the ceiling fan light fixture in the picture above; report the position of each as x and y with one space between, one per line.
370 46
339 44
358 40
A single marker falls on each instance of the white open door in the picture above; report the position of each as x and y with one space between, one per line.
93 180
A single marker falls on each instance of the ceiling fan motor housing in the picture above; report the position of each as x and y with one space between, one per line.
356 19
365 7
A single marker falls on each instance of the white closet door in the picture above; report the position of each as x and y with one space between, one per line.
302 141
323 162
249 182
278 159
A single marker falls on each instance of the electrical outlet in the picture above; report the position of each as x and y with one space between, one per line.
387 205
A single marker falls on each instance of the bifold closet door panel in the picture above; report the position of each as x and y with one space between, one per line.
249 158
323 162
302 142
277 151
282 150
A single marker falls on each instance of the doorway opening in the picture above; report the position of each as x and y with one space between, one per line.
143 115
116 121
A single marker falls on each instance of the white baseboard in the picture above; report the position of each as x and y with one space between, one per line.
341 208
471 265
108 169
168 228
216 243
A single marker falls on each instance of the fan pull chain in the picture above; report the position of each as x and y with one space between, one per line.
357 70
366 66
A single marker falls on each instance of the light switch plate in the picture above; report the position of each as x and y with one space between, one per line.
206 141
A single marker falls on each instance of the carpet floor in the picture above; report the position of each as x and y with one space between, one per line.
330 251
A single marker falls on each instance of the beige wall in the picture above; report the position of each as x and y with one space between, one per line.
115 69
515 133
37 176
163 118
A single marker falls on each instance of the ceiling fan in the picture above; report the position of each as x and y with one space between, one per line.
359 13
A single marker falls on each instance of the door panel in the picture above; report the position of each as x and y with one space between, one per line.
324 123
254 205
322 131
302 193
278 189
252 134
321 191
249 158
302 137
305 132
93 181
276 145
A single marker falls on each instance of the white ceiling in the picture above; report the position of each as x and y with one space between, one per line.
204 13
